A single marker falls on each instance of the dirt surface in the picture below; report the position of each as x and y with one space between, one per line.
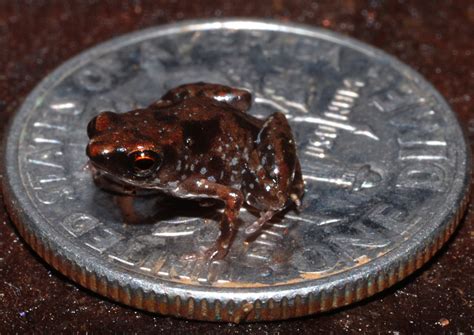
435 38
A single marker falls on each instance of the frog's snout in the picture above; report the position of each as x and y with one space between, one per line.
93 150
88 151
98 148
98 153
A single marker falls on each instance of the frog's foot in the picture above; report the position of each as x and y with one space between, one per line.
257 225
205 257
206 265
222 246
216 252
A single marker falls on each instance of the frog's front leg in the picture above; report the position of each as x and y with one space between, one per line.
123 196
232 198
129 214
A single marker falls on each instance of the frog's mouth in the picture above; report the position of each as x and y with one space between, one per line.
111 183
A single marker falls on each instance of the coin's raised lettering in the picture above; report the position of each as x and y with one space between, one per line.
49 189
316 258
391 100
49 181
47 125
337 118
389 217
66 107
342 175
421 136
185 227
422 153
77 224
423 175
135 251
94 78
153 261
102 238
355 240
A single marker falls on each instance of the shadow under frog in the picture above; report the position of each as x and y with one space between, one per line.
197 142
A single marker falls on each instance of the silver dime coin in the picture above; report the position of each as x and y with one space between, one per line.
384 161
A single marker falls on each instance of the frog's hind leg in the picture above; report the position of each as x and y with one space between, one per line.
237 98
281 173
278 172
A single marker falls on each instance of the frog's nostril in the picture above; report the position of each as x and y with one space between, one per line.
101 122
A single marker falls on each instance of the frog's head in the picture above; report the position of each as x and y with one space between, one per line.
122 148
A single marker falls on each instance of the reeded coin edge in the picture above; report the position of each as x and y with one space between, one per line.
222 305
237 311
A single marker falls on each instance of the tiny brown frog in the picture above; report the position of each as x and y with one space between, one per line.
198 142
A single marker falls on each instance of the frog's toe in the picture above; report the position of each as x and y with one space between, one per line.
294 197
259 223
216 252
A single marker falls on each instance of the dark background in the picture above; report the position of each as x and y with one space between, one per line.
434 37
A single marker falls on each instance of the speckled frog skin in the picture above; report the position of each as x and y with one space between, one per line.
198 142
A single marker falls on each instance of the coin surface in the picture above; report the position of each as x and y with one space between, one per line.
384 160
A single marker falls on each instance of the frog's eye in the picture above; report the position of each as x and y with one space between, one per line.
145 162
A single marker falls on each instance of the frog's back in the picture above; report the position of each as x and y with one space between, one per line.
201 119
210 138
202 108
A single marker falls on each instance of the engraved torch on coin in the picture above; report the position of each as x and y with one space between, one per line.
383 158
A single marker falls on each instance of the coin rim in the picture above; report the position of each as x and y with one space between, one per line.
314 295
